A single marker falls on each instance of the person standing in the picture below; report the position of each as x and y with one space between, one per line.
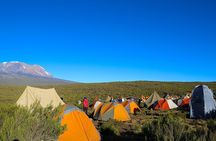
85 105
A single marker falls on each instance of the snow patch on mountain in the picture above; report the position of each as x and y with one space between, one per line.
16 67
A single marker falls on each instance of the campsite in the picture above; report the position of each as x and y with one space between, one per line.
107 70
121 121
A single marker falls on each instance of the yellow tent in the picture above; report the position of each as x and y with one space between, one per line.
78 126
113 111
105 107
131 106
45 97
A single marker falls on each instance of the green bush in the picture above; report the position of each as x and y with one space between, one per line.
166 128
31 125
6 110
212 130
174 128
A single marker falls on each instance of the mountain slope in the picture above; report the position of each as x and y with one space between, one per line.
19 73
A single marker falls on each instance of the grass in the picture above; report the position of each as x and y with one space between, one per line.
146 124
74 92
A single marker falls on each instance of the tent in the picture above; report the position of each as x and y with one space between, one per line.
165 104
113 111
179 102
131 106
45 97
152 99
108 99
101 109
185 102
202 104
97 111
98 103
78 126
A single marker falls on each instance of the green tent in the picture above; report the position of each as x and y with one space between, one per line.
152 99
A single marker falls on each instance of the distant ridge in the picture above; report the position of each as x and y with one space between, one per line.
19 73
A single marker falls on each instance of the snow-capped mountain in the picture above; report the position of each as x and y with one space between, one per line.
19 73
23 68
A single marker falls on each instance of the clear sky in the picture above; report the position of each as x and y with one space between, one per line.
112 40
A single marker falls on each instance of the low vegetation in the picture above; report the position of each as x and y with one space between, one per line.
22 124
73 93
158 126
16 122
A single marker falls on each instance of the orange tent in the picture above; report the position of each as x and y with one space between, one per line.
113 111
164 104
185 101
78 126
131 106
160 104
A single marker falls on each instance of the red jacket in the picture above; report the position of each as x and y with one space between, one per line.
85 103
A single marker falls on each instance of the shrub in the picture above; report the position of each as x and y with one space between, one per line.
6 110
166 128
35 124
136 128
175 128
212 130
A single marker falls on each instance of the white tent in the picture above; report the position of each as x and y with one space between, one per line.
202 104
45 97
97 104
171 104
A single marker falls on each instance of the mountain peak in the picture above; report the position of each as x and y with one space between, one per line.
16 67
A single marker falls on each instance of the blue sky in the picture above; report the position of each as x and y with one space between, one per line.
112 40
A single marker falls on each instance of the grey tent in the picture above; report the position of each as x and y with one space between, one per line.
152 99
202 103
